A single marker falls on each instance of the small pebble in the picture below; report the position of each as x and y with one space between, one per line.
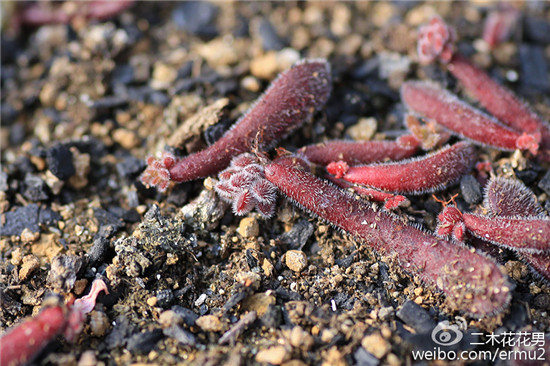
381 13
363 130
163 76
170 317
28 236
299 338
82 167
87 359
130 167
126 138
512 75
267 267
274 355
341 19
106 218
470 189
16 256
98 249
393 360
53 182
209 323
287 57
218 52
328 335
201 299
99 323
63 271
34 188
385 312
365 358
393 65
259 303
250 83
298 235
265 66
30 263
334 357
296 260
152 301
386 332
249 227
204 211
80 286
376 344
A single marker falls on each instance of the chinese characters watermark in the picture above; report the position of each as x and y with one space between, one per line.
504 346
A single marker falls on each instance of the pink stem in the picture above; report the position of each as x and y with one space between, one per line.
436 41
445 108
360 152
290 100
81 307
22 343
414 176
540 263
472 282
499 100
527 234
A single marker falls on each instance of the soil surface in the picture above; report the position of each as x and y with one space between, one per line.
82 106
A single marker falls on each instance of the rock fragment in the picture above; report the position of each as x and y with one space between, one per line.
296 260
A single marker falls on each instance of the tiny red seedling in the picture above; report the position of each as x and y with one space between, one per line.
436 42
20 344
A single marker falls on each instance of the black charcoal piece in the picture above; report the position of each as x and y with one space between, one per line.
60 161
416 317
